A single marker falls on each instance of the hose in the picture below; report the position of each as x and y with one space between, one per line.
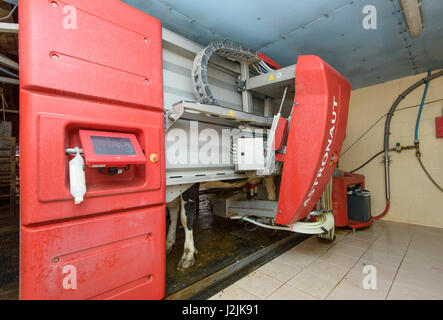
401 148
421 109
429 176
387 131
381 215
416 141
372 158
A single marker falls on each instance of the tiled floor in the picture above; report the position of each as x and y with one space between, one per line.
408 261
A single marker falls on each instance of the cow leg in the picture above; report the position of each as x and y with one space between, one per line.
188 214
174 209
270 187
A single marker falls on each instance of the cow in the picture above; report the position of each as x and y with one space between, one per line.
186 205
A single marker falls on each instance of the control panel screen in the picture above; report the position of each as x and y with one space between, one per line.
111 149
111 146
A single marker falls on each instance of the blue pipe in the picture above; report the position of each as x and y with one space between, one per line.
421 109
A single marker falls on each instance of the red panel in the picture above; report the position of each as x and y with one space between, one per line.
340 196
269 61
439 127
108 252
315 138
280 133
106 75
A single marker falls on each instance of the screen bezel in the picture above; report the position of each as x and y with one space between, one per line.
95 160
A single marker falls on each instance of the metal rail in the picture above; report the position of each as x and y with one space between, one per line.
214 114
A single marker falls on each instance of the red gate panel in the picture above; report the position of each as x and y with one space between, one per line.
316 134
94 66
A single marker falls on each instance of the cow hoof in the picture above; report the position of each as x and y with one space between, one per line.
186 263
169 247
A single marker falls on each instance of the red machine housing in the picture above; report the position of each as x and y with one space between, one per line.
316 134
340 200
105 74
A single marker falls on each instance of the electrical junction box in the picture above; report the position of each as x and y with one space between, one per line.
249 154
439 127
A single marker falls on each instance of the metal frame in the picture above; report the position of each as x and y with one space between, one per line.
213 114
9 80
8 27
9 62
194 176
246 95
8 177
259 208
272 84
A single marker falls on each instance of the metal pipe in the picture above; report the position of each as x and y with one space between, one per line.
9 111
74 150
8 27
283 100
9 62
9 80
9 73
388 126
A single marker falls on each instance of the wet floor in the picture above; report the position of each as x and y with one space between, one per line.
220 242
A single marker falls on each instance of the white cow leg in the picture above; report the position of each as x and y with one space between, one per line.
174 209
188 214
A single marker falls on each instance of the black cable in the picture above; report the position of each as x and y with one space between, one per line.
382 151
372 158
419 160
364 133
429 176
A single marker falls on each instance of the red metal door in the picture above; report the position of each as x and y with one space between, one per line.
94 65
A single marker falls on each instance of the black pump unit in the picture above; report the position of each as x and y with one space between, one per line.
359 205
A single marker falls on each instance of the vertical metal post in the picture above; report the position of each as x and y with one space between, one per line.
268 112
246 95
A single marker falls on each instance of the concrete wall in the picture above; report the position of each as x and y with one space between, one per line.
414 199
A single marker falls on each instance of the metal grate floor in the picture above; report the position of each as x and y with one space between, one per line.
9 265
250 233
